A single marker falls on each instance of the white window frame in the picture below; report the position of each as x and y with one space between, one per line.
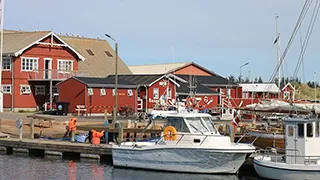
35 64
4 59
90 91
130 93
3 87
155 93
40 90
27 89
114 92
103 92
64 70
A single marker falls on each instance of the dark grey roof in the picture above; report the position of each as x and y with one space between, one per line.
201 89
104 82
144 79
210 81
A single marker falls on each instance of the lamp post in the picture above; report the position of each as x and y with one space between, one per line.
241 71
115 108
315 86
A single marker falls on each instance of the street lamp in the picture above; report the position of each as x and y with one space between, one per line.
315 86
115 108
241 71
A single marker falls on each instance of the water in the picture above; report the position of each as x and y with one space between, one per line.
14 167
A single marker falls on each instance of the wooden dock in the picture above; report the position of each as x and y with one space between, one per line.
65 149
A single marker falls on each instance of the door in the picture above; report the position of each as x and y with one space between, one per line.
47 68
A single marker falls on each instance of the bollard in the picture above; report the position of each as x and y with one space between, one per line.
118 126
0 125
72 136
31 129
19 125
106 135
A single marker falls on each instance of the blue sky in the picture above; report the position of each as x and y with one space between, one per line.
219 35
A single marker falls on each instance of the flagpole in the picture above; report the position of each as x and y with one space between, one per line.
278 56
1 52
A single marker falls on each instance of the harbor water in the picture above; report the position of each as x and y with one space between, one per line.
22 167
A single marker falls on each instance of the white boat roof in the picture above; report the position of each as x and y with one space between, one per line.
186 115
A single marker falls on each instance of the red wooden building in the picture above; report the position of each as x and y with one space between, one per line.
141 92
34 62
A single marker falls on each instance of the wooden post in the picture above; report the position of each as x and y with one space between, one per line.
31 129
0 125
119 126
72 136
232 131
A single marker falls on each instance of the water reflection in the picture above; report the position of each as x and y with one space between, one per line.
133 174
30 168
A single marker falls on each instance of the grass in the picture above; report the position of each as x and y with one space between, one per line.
303 91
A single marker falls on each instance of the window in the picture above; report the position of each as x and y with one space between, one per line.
54 89
300 130
90 91
89 52
113 92
6 64
155 93
169 95
103 92
6 89
108 53
130 93
25 89
309 130
40 90
178 123
290 131
29 64
65 65
317 129
286 94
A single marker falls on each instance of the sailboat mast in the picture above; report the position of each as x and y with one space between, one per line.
278 56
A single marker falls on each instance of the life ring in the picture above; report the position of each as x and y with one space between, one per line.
170 133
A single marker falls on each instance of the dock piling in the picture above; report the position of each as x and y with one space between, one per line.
119 127
31 129
72 136
0 125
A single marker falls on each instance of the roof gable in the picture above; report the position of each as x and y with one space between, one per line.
288 85
166 68
15 42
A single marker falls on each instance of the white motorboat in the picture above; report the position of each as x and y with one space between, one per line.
302 153
190 143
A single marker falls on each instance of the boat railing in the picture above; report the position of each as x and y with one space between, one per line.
272 153
182 135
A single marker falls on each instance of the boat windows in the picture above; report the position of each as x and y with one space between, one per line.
290 131
178 123
197 125
317 129
309 130
209 124
300 130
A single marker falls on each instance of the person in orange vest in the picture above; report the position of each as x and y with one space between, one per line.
72 127
96 136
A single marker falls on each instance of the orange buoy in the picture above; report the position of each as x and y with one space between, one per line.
170 133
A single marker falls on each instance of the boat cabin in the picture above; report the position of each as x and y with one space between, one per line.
302 140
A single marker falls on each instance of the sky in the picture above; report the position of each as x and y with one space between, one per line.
219 35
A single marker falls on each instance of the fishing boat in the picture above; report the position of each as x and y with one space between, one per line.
189 143
302 153
264 139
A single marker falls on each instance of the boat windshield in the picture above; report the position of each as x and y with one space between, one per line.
197 125
209 124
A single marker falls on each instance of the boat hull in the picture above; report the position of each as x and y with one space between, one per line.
190 160
273 170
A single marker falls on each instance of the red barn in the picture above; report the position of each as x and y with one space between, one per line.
288 92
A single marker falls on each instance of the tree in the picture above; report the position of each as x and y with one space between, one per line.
260 80
247 80
232 79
